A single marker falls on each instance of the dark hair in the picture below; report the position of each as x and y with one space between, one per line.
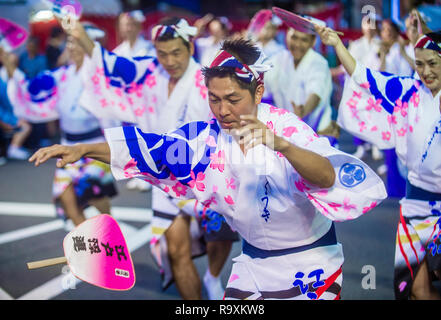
56 32
169 21
224 22
393 25
245 52
435 36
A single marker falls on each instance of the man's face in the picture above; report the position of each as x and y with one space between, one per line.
216 30
174 56
32 47
299 43
228 101
388 33
368 26
268 32
128 27
428 67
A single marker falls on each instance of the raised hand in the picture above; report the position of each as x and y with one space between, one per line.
328 36
253 132
74 28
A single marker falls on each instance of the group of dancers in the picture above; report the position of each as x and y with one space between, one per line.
226 165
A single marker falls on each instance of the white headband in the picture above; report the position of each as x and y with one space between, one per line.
181 29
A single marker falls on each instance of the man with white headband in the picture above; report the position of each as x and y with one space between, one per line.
133 44
273 179
301 83
404 113
160 94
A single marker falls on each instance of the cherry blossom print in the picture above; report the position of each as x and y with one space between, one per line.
279 111
197 181
103 103
179 189
139 111
218 161
233 277
203 92
401 132
132 163
365 85
95 79
401 107
356 94
334 205
373 205
150 81
374 104
352 103
415 99
289 131
348 206
230 183
362 126
391 119
386 135
228 199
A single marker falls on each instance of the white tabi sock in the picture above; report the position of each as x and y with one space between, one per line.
213 285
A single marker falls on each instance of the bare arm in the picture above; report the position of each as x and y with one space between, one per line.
311 103
71 154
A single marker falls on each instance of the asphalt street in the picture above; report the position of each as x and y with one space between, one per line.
29 231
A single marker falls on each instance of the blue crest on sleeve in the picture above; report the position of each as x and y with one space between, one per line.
351 175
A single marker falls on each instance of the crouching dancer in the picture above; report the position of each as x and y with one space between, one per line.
268 173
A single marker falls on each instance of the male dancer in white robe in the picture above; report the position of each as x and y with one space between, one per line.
301 82
158 95
133 44
273 179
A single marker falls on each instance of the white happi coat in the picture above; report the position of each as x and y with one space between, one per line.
135 90
59 92
397 112
260 195
362 48
289 84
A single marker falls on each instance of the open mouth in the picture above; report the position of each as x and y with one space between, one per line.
429 80
226 124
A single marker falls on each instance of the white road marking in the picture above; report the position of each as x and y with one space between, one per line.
4 295
31 231
57 224
135 238
48 210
